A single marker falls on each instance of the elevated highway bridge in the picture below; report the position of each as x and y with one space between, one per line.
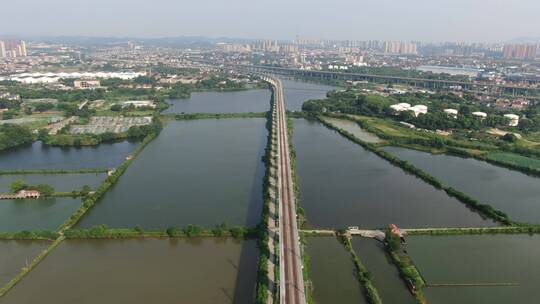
291 283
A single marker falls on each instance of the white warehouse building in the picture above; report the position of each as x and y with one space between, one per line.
480 114
417 110
514 119
451 112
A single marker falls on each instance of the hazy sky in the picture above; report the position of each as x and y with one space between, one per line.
428 20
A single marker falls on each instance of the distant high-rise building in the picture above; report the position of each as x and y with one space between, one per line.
398 47
23 48
11 48
2 49
519 51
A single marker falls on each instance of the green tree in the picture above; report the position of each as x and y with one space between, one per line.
43 134
45 190
173 232
116 107
392 241
85 190
509 137
18 185
192 230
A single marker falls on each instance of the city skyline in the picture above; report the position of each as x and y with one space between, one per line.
417 20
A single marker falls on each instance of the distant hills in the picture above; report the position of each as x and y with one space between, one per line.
180 41
525 40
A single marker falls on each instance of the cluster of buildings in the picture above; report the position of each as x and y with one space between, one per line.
513 119
113 124
12 48
30 78
86 84
9 96
520 51
139 104
399 47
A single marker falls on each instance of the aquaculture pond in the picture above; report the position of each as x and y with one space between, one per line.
222 102
332 272
60 182
353 128
509 263
14 255
512 192
386 278
198 270
342 185
36 214
202 172
40 156
296 92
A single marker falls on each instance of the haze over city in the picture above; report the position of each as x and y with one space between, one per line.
270 152
422 20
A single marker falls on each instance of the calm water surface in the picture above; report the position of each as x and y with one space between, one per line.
202 172
39 156
222 102
205 271
502 258
331 270
36 214
15 254
297 92
512 192
353 128
60 182
386 276
342 185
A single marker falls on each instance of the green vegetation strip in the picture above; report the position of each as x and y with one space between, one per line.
514 161
30 266
363 276
103 232
484 230
193 116
53 171
410 274
484 209
406 267
263 234
29 235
